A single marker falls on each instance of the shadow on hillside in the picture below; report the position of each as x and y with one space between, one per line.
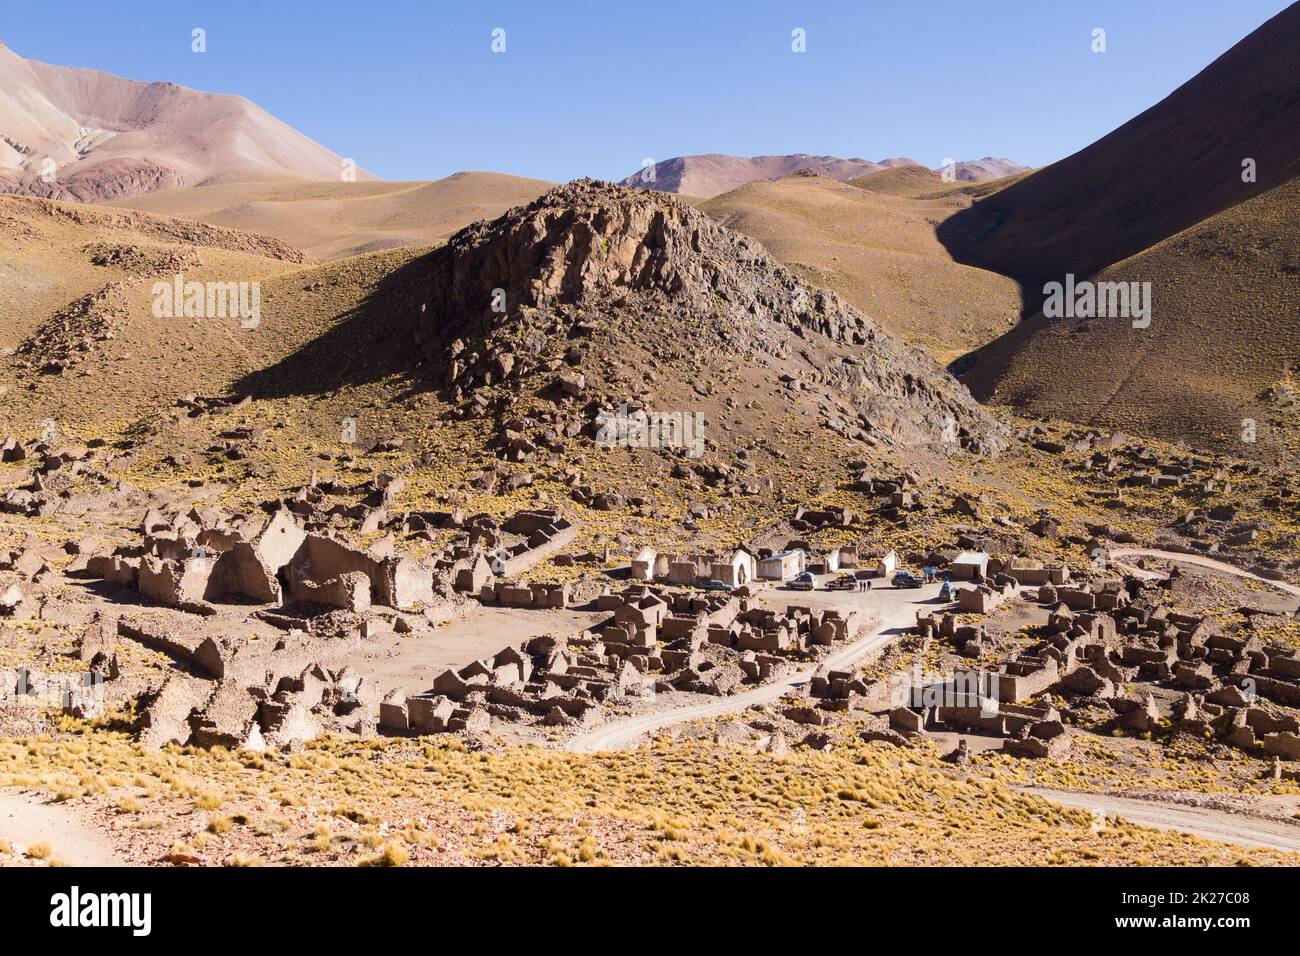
369 343
962 234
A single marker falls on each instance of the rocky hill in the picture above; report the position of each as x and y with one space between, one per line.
591 276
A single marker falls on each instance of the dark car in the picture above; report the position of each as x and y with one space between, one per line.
716 585
905 580
803 582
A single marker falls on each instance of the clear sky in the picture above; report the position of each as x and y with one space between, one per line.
412 90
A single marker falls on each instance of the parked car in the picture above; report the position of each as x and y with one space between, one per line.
803 582
716 585
905 580
845 582
948 592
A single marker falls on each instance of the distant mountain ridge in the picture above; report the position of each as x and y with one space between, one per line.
709 175
1198 196
69 133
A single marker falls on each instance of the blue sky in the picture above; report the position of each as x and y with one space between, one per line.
411 89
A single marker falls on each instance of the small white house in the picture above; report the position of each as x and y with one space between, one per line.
967 564
737 569
782 566
643 565
887 565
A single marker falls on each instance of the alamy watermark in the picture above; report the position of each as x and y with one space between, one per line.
208 300
40 691
1098 300
656 430
914 688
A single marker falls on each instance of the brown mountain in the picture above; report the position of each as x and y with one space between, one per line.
1162 200
1161 172
712 174
69 133
981 170
704 177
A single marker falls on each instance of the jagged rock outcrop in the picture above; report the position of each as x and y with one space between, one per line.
591 272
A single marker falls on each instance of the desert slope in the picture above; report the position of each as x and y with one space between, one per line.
80 344
108 136
878 249
332 220
1223 346
1161 172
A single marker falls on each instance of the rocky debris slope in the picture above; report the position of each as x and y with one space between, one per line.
112 179
19 212
136 259
590 273
73 332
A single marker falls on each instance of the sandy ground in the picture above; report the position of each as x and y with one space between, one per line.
27 820
412 661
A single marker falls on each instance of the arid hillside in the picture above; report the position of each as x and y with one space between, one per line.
1161 172
873 241
900 181
653 270
1207 216
612 298
332 220
1222 350
68 133
82 345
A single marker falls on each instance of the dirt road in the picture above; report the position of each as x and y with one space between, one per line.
28 819
1199 561
1218 825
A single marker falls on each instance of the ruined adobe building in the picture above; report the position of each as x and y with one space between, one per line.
190 561
1104 641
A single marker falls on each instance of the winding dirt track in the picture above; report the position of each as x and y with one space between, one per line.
27 819
1199 561
1211 824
